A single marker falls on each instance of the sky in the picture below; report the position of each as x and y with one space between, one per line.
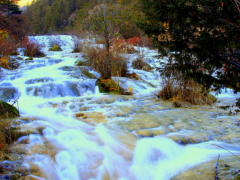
22 3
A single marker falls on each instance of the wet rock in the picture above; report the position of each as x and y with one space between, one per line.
39 80
65 102
207 170
127 93
18 149
54 105
13 63
30 177
120 114
141 65
133 76
24 140
150 132
24 118
8 93
79 114
104 100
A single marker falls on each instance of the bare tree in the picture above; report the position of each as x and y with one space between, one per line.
106 20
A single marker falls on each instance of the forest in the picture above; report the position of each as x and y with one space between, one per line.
78 77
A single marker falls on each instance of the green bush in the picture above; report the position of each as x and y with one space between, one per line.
55 48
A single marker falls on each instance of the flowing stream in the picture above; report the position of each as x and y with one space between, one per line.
116 137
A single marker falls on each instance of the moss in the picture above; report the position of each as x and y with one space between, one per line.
29 58
19 58
8 111
108 86
55 48
81 63
88 74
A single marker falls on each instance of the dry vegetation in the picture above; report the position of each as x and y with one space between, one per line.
8 46
77 45
5 62
96 58
7 133
185 91
32 49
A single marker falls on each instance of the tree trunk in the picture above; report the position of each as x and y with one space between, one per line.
108 74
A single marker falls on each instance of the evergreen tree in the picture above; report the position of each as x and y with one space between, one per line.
10 7
200 37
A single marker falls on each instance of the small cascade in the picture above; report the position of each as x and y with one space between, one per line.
61 89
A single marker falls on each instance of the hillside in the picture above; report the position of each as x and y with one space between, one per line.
48 16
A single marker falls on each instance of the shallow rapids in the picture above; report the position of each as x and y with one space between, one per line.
116 137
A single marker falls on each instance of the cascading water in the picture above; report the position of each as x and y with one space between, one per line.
72 148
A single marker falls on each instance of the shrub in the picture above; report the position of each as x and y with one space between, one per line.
142 41
122 46
96 58
135 41
32 49
185 91
5 62
8 46
77 45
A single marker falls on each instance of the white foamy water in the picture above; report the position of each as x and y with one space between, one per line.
70 149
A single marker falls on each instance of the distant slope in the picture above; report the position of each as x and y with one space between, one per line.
47 16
